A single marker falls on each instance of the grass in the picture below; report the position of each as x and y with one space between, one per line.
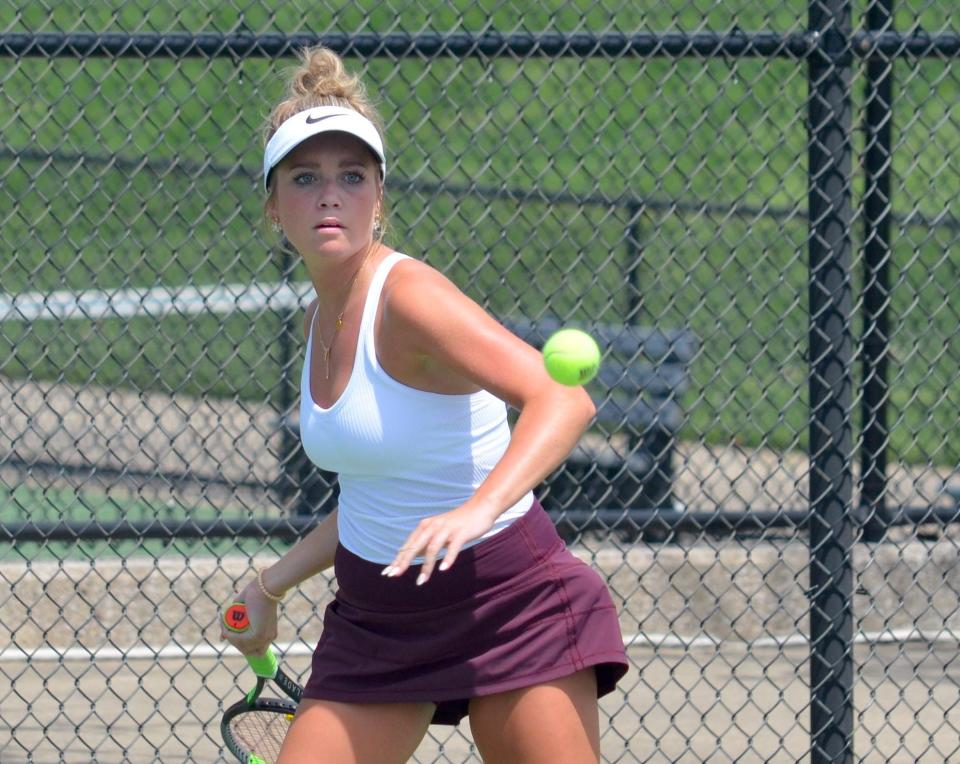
139 173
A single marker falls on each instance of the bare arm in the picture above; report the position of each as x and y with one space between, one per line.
441 340
311 555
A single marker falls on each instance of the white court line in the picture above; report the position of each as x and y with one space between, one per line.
295 649
95 304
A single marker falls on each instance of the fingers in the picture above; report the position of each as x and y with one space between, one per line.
450 531
247 628
412 548
249 643
427 541
453 549
253 649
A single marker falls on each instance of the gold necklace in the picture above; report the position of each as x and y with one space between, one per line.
327 349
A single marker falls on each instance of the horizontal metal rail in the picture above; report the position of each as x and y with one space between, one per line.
460 45
115 474
944 219
290 528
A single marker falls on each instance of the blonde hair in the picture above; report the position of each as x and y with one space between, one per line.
321 79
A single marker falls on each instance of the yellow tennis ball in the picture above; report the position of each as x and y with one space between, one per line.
571 357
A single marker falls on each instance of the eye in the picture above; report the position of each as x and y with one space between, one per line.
303 178
353 177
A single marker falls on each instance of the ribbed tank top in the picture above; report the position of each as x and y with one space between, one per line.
402 454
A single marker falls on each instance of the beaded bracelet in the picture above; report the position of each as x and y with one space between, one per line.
263 589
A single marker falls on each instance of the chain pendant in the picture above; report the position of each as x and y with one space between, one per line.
339 322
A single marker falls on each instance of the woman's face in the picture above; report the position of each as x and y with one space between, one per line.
325 196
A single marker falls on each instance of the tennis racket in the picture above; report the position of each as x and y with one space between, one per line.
253 729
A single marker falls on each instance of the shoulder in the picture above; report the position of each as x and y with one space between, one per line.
419 296
410 276
430 326
428 315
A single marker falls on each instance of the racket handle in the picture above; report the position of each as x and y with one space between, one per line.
264 665
235 619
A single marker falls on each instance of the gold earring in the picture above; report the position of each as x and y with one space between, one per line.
276 225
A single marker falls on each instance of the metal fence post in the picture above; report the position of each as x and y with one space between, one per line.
831 359
634 253
289 440
877 207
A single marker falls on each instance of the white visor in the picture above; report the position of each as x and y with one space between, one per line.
322 119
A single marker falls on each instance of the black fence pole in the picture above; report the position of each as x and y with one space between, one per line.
831 360
877 253
656 440
288 479
634 253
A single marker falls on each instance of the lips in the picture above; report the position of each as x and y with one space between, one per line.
328 223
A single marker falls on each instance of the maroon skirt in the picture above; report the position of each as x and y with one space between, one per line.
515 610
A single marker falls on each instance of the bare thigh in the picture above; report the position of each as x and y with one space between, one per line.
556 722
325 732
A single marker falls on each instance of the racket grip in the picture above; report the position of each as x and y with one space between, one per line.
236 620
264 665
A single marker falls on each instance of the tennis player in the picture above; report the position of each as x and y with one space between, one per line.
455 594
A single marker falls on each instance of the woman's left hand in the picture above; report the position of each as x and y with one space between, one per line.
449 531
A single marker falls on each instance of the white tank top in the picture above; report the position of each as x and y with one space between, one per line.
402 454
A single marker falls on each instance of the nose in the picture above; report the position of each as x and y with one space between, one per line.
329 195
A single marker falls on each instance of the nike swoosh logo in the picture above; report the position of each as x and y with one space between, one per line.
312 121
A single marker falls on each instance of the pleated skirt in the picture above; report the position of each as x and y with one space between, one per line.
516 610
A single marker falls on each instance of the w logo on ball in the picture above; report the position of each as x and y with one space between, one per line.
571 357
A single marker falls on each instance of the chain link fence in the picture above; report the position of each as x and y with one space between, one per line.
755 211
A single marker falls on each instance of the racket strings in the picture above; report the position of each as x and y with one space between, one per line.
261 732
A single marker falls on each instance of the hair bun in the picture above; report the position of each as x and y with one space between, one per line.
322 75
321 79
